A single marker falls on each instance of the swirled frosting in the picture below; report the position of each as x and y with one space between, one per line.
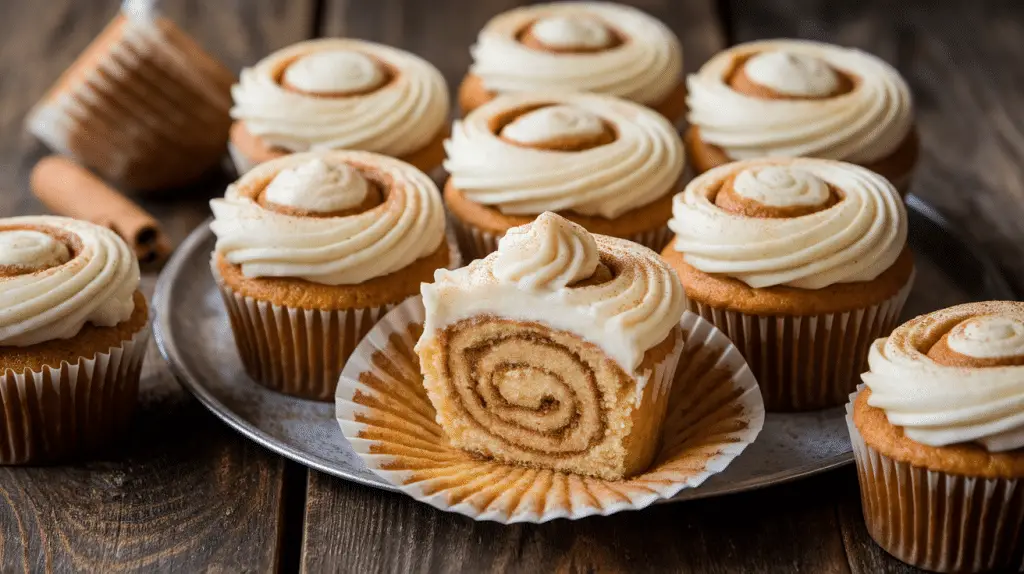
642 164
551 123
857 239
645 67
55 287
863 125
939 405
341 250
318 187
531 276
399 117
334 72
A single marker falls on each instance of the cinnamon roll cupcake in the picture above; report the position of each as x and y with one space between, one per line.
938 435
796 98
340 94
801 262
558 351
578 46
312 249
73 333
607 164
144 105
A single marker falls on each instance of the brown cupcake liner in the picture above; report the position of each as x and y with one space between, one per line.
300 352
477 243
937 521
807 362
62 412
151 112
714 412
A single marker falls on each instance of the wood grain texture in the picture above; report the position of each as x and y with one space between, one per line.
352 528
182 492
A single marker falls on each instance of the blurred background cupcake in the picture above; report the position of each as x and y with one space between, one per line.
312 249
605 163
801 262
73 333
797 98
340 94
578 46
144 106
938 435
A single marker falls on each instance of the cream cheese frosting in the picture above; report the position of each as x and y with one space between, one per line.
531 276
57 288
939 405
551 123
857 239
642 164
334 72
318 187
345 250
864 125
401 116
645 67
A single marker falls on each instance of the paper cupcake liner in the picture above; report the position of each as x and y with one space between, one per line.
477 243
937 521
714 412
807 362
152 112
295 351
61 412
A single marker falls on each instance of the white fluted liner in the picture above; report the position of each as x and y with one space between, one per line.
937 521
807 362
60 412
714 412
296 351
477 243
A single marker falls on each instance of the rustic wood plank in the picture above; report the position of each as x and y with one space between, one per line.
354 528
183 492
960 59
791 528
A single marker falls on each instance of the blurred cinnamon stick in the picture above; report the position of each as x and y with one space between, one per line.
71 190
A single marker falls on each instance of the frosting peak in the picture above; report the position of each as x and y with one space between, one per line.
552 123
988 337
792 73
549 254
25 250
318 187
572 32
939 404
781 186
334 72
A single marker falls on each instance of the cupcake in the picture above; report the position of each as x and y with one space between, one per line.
801 262
795 98
556 352
607 164
938 435
312 249
340 94
144 105
578 46
73 333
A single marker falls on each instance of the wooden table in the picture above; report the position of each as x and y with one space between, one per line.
185 493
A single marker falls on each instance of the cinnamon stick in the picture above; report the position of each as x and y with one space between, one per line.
71 190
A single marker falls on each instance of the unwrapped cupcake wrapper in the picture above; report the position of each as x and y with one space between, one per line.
300 352
477 243
807 362
153 113
58 413
937 521
714 412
